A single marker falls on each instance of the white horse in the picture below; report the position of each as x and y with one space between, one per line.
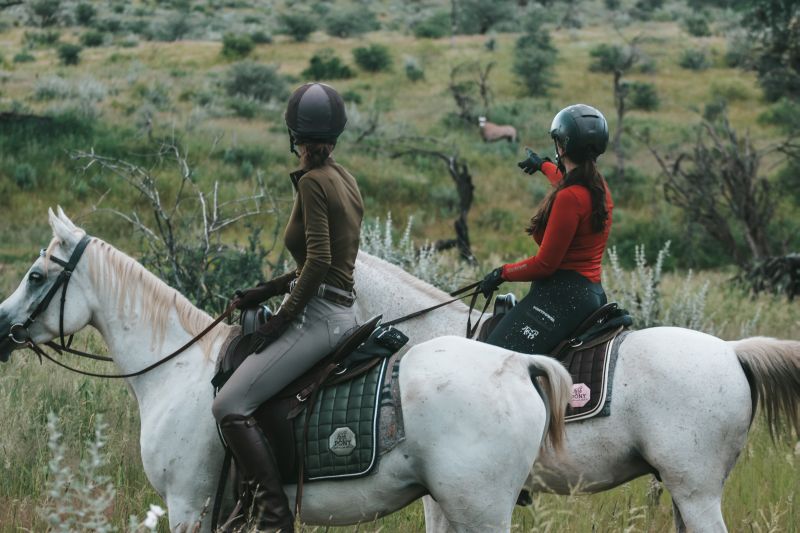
682 405
473 421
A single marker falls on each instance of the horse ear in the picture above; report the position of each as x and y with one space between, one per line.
60 230
65 219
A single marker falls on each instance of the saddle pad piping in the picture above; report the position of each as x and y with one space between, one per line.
377 410
603 387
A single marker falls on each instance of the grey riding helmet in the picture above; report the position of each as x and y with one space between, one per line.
582 131
315 113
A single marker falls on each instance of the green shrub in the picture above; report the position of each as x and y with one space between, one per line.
35 39
175 28
69 54
436 26
414 70
24 57
44 12
236 46
644 9
739 52
373 58
534 58
261 37
85 14
692 59
92 38
480 16
157 94
24 176
607 57
731 90
352 96
245 107
697 25
297 25
350 22
255 80
109 25
643 96
51 88
324 65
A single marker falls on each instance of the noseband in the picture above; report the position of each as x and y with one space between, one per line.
19 333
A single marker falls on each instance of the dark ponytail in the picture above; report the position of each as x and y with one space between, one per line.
315 155
585 174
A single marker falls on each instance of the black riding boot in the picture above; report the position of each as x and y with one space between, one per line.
268 504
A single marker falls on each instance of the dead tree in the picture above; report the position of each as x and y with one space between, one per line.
182 230
460 174
468 82
718 185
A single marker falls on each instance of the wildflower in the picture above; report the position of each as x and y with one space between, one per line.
153 515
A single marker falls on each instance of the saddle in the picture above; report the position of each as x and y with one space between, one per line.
589 354
356 359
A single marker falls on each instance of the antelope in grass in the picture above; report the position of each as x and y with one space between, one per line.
494 132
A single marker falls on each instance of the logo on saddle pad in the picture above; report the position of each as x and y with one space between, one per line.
581 394
342 441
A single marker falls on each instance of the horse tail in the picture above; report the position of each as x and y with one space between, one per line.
773 369
557 385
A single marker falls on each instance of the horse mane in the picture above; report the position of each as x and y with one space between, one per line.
126 280
407 278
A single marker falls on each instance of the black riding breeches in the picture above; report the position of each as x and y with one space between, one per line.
553 308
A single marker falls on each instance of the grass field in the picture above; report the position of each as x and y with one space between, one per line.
129 96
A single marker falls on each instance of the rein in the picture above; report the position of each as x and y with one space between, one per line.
19 333
458 295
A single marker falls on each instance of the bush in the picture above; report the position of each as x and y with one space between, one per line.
352 97
254 80
235 46
24 57
260 37
643 9
692 59
92 38
607 57
85 14
351 22
414 70
534 58
436 26
643 96
35 39
739 52
244 107
51 88
69 54
44 12
480 16
297 25
24 176
697 25
175 28
373 58
324 65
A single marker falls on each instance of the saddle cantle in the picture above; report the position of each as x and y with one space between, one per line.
589 354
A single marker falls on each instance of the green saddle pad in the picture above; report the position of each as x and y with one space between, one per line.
342 430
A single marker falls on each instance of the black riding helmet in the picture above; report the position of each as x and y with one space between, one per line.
315 113
582 131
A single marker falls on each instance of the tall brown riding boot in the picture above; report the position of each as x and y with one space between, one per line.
269 509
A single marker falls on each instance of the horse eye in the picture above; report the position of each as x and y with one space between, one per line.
35 277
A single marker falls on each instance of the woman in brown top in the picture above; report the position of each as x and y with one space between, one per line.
323 237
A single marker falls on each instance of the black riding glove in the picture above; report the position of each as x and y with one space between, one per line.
490 283
533 163
271 331
253 297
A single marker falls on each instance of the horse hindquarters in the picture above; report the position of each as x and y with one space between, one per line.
474 423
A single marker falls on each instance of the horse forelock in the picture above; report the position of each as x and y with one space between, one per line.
129 283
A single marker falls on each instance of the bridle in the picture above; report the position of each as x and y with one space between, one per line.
20 335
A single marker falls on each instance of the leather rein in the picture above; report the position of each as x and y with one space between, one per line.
19 333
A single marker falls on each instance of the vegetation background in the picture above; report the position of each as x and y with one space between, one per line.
193 93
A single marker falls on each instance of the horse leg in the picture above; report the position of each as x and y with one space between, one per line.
435 520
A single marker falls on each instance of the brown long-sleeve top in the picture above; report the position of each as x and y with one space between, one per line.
323 233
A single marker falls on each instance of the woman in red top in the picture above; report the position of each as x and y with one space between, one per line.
571 228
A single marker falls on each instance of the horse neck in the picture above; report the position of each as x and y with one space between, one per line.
137 340
386 289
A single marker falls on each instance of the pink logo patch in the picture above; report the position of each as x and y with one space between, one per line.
580 395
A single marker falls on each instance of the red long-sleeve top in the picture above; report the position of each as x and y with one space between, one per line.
568 242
